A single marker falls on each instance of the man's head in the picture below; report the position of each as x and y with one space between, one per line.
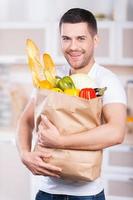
78 30
78 15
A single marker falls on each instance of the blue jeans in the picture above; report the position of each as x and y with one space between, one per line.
46 196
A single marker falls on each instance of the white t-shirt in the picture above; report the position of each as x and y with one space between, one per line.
114 94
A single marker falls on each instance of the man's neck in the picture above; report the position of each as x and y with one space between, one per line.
84 70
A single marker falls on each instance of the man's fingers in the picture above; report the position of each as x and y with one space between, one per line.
50 167
44 154
40 137
39 165
47 173
44 172
47 123
42 126
42 164
40 143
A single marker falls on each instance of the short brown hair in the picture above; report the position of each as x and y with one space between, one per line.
77 15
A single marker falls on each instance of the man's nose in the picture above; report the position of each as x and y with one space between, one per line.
73 45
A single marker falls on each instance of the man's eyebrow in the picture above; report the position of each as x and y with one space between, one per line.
65 36
82 36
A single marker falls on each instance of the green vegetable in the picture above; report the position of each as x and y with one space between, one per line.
65 82
100 91
57 78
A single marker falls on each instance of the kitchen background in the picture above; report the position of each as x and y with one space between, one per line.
38 20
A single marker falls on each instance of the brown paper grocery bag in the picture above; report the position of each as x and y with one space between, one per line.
71 115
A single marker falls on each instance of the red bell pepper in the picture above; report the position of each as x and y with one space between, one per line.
87 93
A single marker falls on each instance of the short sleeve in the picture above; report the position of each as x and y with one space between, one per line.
115 92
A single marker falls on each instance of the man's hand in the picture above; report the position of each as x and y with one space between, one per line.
35 162
48 134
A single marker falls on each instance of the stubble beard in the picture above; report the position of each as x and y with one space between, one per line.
81 65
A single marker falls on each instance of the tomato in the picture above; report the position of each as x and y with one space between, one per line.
87 93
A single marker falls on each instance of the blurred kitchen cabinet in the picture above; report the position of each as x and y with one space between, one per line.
119 187
118 172
13 40
104 52
125 43
119 158
115 46
5 105
116 43
14 178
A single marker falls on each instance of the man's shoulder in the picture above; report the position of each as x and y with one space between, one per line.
103 75
104 70
115 91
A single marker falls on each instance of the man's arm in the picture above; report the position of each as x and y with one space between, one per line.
25 127
34 161
108 134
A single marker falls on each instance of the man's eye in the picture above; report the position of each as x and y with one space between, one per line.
81 38
65 39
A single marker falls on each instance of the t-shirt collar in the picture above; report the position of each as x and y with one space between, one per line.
89 73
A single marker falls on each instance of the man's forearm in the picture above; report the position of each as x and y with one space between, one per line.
103 136
98 138
24 137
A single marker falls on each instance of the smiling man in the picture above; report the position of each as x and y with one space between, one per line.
78 33
78 45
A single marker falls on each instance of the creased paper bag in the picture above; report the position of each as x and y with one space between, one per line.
71 115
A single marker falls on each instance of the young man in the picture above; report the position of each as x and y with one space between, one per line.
78 32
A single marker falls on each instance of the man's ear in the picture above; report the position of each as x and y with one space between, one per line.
96 41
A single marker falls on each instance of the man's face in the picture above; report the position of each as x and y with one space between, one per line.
77 44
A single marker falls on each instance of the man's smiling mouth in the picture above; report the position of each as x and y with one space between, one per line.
75 55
